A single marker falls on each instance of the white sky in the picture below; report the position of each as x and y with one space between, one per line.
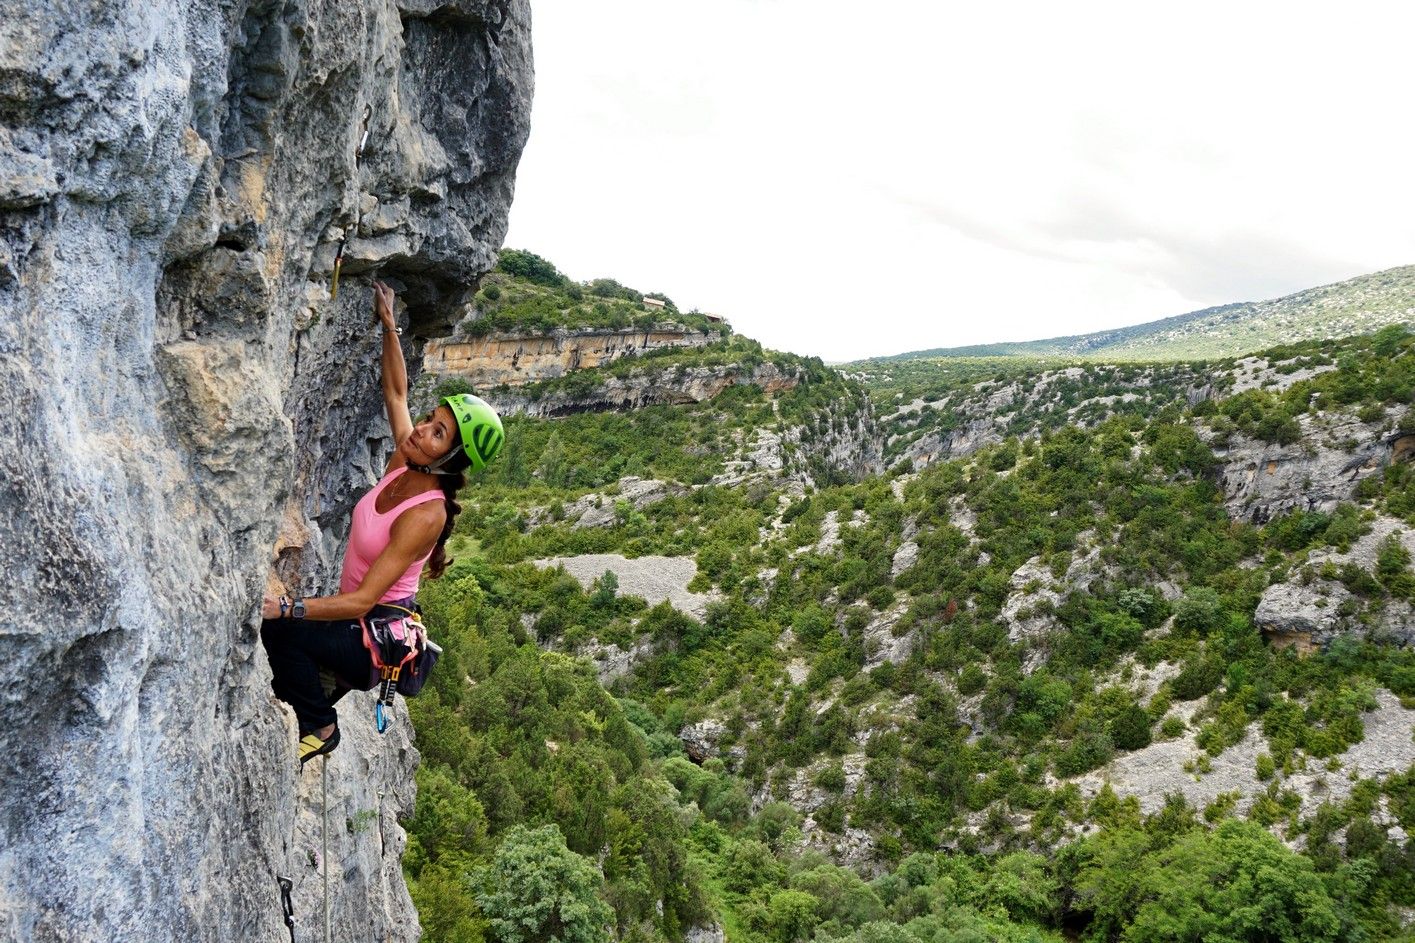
856 179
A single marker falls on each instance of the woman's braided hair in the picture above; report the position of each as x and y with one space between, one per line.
451 484
452 478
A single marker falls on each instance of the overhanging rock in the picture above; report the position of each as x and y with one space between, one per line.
174 178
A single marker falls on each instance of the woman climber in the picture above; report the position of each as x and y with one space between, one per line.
316 645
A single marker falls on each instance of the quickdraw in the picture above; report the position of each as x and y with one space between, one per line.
410 633
287 905
383 707
358 211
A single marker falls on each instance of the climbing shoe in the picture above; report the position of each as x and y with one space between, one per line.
311 746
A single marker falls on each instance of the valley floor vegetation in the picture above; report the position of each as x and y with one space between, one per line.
554 808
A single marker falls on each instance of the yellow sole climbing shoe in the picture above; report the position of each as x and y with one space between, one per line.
311 746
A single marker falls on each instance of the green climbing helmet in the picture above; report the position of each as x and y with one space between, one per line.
480 426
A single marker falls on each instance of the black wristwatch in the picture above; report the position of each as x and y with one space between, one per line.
298 609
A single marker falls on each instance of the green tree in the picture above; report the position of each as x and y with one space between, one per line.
1237 883
606 589
1200 611
446 910
536 890
1130 730
512 467
448 826
750 864
1022 885
552 461
792 915
531 267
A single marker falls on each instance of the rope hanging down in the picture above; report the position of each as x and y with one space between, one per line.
286 904
324 832
358 209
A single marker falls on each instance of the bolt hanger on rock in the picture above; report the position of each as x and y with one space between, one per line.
358 212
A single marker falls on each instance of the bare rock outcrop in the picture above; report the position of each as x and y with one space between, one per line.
844 440
989 412
640 387
602 510
1317 472
700 739
518 359
184 395
841 441
613 661
1037 594
654 578
1170 766
882 644
1309 614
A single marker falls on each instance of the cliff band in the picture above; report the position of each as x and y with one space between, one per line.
182 396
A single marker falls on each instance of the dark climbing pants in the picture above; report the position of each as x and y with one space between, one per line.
299 649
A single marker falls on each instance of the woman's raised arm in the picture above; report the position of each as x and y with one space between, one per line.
395 372
413 536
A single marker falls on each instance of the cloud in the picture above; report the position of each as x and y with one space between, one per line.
1212 266
841 180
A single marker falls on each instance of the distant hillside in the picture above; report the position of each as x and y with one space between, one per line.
994 648
1357 306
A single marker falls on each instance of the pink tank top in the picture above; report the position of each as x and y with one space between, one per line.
369 535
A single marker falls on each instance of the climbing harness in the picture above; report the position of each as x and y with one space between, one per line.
358 210
402 656
287 905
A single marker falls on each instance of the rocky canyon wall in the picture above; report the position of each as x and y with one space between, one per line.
518 359
645 386
183 396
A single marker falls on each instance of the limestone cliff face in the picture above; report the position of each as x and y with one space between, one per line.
643 387
1317 472
989 412
174 178
844 442
517 359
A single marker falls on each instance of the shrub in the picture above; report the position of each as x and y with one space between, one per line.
831 778
881 596
1130 730
1085 753
529 266
971 680
1393 568
1142 604
1198 677
1200 612
750 864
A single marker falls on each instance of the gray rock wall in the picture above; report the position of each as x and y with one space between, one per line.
642 387
516 359
1262 480
183 396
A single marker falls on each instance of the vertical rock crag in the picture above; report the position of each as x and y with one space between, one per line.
182 396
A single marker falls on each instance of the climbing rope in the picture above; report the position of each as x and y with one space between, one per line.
286 904
324 832
358 207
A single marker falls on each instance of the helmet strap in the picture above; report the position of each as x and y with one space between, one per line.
435 468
